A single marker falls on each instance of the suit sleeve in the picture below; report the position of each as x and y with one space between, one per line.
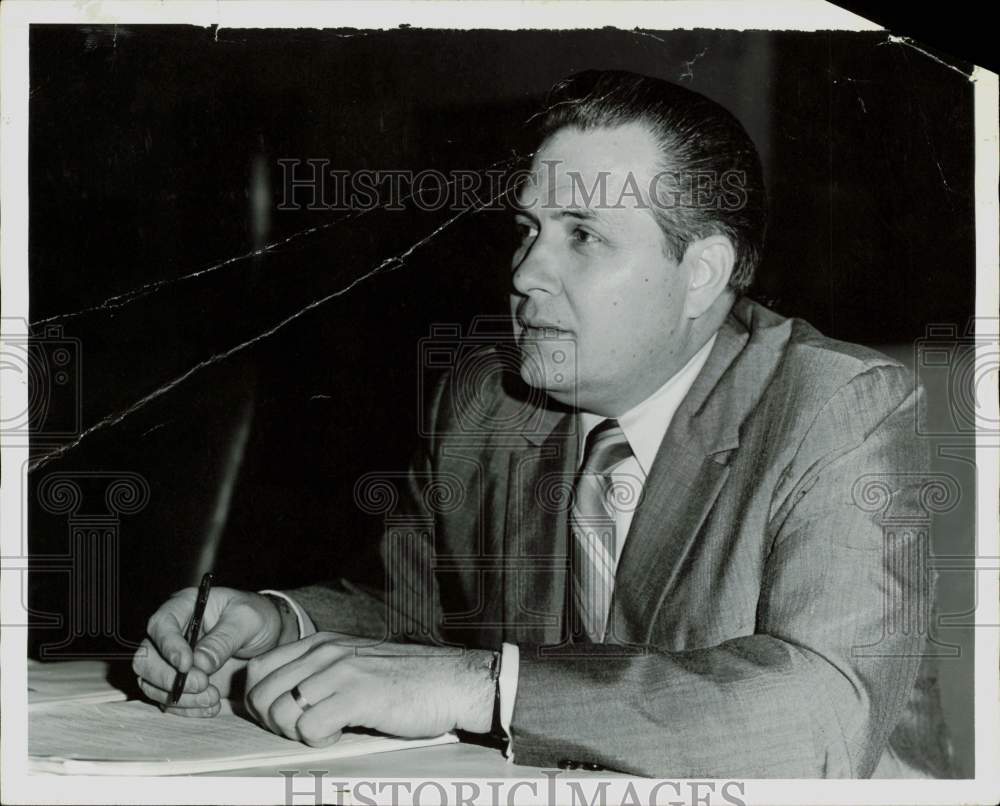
818 687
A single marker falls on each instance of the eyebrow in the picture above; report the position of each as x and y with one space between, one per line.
580 213
583 213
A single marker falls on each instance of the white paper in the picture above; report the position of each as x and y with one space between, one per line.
70 681
135 738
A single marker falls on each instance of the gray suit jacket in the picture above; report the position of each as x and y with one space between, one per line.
770 605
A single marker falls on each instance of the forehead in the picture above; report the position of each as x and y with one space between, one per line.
618 162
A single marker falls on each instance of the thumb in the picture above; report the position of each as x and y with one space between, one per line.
224 640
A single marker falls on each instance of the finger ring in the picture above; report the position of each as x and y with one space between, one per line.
300 700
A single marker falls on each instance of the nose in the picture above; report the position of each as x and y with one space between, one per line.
536 271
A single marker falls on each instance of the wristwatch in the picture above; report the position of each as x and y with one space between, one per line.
496 728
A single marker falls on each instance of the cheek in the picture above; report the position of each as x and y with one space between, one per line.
647 319
635 303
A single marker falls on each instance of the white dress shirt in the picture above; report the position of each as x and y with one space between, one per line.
644 427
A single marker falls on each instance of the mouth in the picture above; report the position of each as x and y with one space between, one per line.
541 330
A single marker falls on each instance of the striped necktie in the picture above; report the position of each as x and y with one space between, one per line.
592 523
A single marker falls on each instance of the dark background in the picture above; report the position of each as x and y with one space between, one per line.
146 144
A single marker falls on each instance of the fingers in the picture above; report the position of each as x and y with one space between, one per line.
263 665
220 643
166 629
272 674
234 621
311 665
200 713
149 664
248 625
320 723
206 703
282 715
324 723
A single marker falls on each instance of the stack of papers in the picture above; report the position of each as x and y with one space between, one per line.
71 681
135 738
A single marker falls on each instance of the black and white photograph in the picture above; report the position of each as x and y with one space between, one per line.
500 403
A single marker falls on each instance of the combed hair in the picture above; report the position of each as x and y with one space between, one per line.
699 140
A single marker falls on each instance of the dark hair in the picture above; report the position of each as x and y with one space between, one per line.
698 140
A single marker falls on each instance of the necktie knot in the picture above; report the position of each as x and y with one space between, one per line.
606 447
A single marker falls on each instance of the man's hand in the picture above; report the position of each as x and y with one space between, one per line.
237 626
400 689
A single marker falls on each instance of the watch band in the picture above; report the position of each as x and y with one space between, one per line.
496 728
289 621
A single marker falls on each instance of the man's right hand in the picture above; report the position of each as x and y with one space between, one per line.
236 627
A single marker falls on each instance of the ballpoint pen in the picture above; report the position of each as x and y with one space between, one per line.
191 636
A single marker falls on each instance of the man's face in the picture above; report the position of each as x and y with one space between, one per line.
599 305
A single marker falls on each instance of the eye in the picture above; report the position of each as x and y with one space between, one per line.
524 230
585 236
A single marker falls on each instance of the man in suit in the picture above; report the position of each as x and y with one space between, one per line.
655 545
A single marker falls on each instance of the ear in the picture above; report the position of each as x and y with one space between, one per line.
710 264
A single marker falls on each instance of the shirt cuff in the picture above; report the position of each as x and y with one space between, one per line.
306 626
510 660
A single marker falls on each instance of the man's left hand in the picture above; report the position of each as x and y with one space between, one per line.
400 689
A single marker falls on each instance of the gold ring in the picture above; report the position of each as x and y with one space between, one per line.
300 700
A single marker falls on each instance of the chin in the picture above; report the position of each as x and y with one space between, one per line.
554 382
548 364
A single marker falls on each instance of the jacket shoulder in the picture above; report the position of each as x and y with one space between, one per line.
811 353
817 373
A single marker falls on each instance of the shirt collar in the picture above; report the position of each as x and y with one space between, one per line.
646 424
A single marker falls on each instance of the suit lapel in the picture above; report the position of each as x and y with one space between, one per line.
539 483
690 470
681 489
